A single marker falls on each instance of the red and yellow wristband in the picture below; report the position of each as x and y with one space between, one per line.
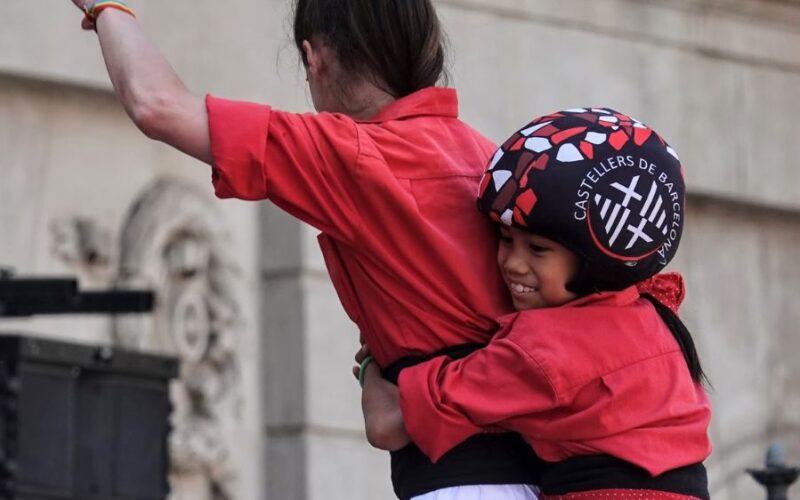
99 6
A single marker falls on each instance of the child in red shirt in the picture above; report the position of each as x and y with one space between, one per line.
598 374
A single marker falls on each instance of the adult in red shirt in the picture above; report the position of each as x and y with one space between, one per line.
386 171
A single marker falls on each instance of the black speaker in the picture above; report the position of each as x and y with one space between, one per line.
82 422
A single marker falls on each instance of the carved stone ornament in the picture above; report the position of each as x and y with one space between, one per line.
84 245
173 242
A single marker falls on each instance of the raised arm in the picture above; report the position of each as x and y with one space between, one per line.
149 89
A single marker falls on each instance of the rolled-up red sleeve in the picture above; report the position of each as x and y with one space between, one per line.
434 426
305 163
238 132
444 402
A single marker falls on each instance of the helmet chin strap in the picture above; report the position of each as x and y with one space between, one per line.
582 283
585 282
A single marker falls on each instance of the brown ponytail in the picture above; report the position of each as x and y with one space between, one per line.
397 44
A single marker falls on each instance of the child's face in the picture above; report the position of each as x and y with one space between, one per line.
535 269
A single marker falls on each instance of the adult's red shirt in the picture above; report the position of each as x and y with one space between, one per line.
412 259
600 375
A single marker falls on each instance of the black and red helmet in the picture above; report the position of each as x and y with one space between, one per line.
600 183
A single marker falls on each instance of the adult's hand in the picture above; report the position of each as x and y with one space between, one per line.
83 5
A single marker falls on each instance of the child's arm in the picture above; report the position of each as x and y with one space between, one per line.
446 401
442 402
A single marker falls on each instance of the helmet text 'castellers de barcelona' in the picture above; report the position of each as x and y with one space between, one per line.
597 181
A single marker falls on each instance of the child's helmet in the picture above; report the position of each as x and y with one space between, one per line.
600 183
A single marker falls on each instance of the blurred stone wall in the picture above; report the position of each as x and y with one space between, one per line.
718 78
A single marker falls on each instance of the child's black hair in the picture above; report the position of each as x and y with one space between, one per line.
683 337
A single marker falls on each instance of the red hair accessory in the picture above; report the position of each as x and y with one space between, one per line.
667 288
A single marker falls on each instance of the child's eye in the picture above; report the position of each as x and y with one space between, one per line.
537 248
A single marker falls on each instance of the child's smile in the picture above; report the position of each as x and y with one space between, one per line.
535 269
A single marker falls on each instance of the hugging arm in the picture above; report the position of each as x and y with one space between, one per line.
440 403
446 401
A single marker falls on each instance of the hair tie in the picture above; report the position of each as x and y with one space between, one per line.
362 369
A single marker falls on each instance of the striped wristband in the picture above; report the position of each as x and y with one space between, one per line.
93 11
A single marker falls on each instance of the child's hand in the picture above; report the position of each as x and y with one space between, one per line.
380 404
361 355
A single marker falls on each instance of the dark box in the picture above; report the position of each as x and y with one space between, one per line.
82 422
